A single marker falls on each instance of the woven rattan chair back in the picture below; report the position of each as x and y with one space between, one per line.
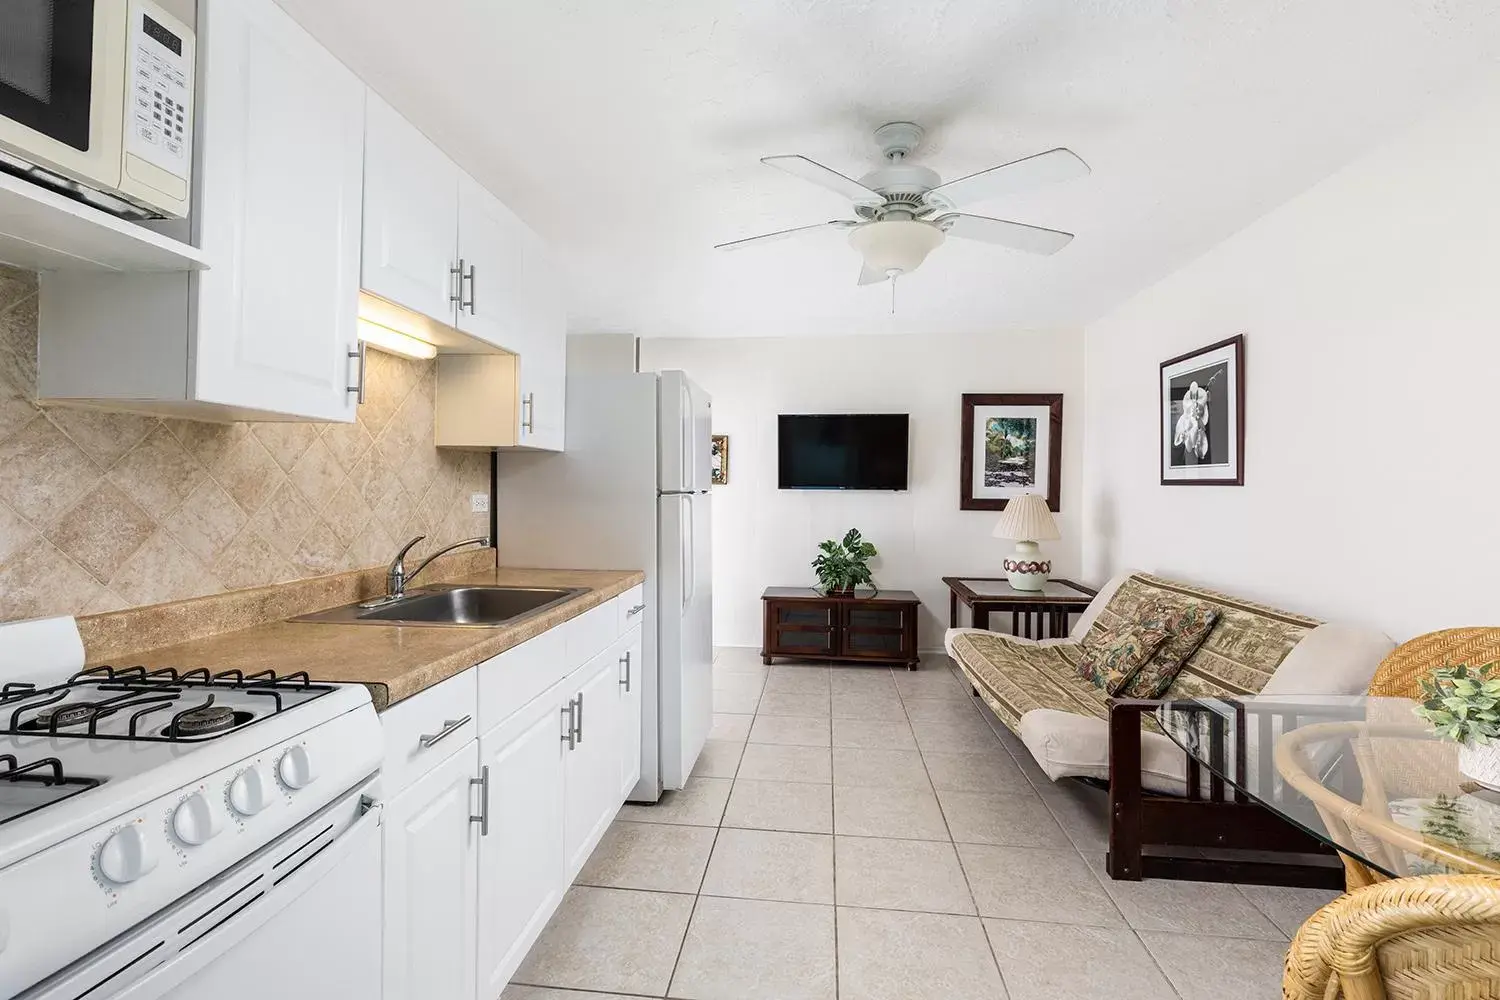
1399 673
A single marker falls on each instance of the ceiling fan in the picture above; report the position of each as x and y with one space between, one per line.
905 211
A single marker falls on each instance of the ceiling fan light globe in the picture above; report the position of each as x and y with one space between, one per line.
896 245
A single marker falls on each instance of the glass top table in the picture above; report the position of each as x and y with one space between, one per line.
1364 775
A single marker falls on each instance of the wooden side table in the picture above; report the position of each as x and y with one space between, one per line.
806 624
1034 614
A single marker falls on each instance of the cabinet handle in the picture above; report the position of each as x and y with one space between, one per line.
635 611
528 413
569 735
469 277
358 388
578 719
456 282
483 819
450 726
626 661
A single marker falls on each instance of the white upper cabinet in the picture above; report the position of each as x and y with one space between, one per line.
410 216
543 373
492 246
276 312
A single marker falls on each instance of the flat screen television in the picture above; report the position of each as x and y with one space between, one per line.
842 451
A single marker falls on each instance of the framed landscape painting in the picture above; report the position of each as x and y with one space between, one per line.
1012 444
1203 416
719 456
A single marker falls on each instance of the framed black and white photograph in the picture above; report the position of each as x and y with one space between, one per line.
1012 444
1203 416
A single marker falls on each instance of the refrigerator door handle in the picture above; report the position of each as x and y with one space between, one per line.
689 583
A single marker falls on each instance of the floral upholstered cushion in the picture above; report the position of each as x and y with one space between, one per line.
1187 624
1115 654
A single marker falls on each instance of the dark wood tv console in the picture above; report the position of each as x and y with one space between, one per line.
875 627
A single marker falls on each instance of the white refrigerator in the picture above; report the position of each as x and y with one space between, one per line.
630 490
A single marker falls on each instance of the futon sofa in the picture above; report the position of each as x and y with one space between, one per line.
1066 722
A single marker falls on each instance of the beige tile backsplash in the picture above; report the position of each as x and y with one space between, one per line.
102 511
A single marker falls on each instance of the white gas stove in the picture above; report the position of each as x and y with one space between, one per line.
126 793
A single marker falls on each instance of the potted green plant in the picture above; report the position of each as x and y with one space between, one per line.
843 565
1463 704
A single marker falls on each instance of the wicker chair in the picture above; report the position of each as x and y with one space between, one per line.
1436 938
1398 673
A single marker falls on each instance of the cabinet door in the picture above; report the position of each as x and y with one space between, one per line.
630 712
431 868
521 862
877 631
492 250
592 781
808 628
277 210
411 216
543 378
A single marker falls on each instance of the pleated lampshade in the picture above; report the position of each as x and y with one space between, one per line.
1027 518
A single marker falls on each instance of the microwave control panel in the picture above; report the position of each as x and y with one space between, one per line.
159 116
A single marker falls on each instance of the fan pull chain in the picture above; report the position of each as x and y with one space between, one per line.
894 275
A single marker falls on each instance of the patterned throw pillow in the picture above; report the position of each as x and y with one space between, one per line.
1111 657
1187 624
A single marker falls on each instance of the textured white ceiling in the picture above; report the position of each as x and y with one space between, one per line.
628 133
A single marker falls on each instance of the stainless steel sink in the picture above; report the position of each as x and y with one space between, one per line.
451 606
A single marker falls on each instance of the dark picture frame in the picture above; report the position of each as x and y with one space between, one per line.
1043 411
1208 450
719 450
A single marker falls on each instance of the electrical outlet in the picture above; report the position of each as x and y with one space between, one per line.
479 503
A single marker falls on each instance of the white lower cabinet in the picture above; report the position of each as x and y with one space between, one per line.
630 712
430 870
592 781
521 876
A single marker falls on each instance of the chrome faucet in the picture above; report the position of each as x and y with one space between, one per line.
396 576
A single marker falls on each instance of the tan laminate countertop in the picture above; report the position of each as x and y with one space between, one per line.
395 662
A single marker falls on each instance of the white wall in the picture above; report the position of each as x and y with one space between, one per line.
767 537
1371 312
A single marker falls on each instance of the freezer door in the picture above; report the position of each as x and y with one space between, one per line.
685 636
684 435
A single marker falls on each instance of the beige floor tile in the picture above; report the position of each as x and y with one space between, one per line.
955 737
731 727
873 734
852 679
701 803
940 709
762 864
790 731
1081 811
542 993
1205 968
1013 820
798 679
1287 907
737 693
751 949
780 805
1023 883
931 682
772 762
656 856
1052 961
994 771
886 955
900 875
879 768
809 704
609 940
871 705
1178 907
719 759
739 659
905 813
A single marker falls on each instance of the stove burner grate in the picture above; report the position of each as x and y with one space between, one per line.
44 773
206 719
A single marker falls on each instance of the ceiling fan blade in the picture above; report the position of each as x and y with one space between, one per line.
1043 168
809 170
1016 235
782 234
869 276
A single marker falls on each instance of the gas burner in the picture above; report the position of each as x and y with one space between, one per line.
204 721
68 713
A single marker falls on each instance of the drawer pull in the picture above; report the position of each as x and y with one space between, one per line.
570 727
450 726
625 661
635 611
483 819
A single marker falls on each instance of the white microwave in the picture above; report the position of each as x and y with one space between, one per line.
96 99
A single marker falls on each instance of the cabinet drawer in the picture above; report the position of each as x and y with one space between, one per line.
591 631
426 729
632 607
508 681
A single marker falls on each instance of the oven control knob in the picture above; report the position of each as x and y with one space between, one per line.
296 768
195 820
250 791
127 855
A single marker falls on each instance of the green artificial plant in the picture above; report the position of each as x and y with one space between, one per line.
842 566
1462 703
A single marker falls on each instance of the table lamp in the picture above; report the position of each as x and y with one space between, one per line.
1027 520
